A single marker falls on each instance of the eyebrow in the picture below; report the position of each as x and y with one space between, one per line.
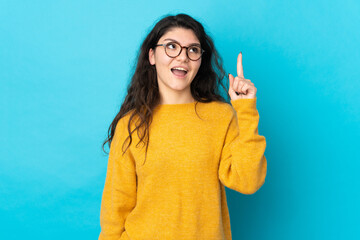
191 44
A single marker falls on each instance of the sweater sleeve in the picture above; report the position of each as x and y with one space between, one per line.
243 165
119 194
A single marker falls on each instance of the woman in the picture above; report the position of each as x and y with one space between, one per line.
172 185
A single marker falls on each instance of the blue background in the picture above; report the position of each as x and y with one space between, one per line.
64 68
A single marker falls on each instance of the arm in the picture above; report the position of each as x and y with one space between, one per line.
119 195
243 165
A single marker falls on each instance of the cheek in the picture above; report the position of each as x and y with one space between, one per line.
161 65
164 64
163 58
197 67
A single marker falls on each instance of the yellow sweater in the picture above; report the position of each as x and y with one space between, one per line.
179 192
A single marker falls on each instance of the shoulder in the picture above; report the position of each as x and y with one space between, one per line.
122 124
219 111
223 108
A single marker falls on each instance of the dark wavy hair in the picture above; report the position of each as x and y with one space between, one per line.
143 91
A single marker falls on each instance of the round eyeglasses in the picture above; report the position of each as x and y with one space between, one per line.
173 49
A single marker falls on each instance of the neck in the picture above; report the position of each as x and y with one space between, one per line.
177 100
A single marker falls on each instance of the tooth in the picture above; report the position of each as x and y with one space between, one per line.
181 69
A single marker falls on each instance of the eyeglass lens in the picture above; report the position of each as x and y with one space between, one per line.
173 49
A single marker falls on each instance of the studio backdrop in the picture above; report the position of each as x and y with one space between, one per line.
64 69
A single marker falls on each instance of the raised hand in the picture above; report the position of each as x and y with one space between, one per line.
239 86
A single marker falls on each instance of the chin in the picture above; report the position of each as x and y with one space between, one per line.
180 88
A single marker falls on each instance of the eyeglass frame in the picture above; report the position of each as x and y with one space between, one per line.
181 48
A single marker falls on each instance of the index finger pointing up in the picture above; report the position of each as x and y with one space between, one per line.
240 71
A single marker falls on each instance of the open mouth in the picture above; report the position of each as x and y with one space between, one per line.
179 72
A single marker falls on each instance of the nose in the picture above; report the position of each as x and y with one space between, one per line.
183 56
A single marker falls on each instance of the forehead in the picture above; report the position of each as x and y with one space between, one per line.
183 36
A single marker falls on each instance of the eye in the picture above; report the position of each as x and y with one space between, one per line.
171 45
194 49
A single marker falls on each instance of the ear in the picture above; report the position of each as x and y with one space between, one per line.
151 56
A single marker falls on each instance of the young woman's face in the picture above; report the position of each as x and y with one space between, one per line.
172 85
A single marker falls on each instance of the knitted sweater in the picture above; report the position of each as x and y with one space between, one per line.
179 192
